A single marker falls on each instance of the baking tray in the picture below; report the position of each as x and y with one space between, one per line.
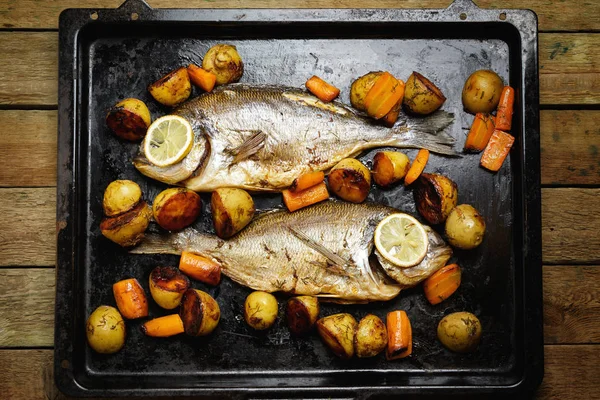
109 54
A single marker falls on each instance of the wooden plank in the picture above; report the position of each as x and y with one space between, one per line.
28 218
28 151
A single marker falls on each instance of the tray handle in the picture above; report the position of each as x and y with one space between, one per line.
462 6
131 6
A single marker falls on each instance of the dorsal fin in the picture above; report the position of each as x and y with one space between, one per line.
250 146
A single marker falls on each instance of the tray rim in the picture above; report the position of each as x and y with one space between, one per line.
72 21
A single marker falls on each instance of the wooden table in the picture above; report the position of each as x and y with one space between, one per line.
569 55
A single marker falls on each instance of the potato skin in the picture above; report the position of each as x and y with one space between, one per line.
199 312
232 209
421 96
465 227
127 229
224 61
120 196
389 167
350 180
371 336
173 88
460 332
167 286
435 196
129 119
302 313
105 330
338 331
360 88
481 93
260 310
176 208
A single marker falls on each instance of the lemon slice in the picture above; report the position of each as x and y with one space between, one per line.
401 240
168 140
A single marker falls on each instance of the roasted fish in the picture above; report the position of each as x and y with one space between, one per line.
323 250
261 138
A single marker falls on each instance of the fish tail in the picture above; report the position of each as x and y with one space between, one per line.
168 243
426 133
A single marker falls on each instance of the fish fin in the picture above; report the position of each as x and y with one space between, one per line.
365 267
250 146
427 133
332 268
330 255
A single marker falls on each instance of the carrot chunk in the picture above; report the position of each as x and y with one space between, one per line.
480 132
200 268
323 90
441 285
504 112
131 298
417 166
496 150
307 180
390 118
166 326
399 335
384 95
297 200
202 78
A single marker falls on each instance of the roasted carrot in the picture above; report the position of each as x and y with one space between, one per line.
496 150
480 132
200 268
297 200
384 95
441 285
323 90
399 335
504 112
131 298
307 180
417 166
202 78
390 118
166 326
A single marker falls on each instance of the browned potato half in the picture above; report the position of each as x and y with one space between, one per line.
173 88
129 119
337 331
371 336
260 310
481 93
360 88
199 312
435 196
224 61
105 330
302 313
460 332
120 196
176 208
421 96
389 167
167 286
232 209
350 180
465 227
127 229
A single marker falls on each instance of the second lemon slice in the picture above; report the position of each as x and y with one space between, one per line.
168 140
401 240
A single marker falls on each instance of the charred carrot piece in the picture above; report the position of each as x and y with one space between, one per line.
399 335
166 326
297 200
384 95
390 118
200 268
323 90
131 298
307 180
504 112
200 77
417 166
480 132
441 285
496 150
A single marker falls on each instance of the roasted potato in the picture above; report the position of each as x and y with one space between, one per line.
360 88
350 180
260 310
232 209
371 336
127 229
176 208
129 119
173 88
389 167
120 196
435 195
302 313
105 330
167 286
481 92
460 332
199 312
421 96
465 227
224 61
338 331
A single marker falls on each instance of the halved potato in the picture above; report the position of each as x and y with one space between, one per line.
435 195
127 229
173 88
120 196
176 208
199 312
302 313
232 209
129 119
360 88
350 180
389 167
260 310
167 286
337 331
224 61
421 96
371 336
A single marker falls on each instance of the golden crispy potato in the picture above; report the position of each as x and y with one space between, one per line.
371 336
460 332
199 312
338 331
465 227
121 196
350 180
421 96
167 286
224 61
129 119
105 330
127 229
481 93
435 195
232 209
360 87
302 313
176 208
173 88
389 167
260 310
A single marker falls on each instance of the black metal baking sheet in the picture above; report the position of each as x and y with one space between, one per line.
112 56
